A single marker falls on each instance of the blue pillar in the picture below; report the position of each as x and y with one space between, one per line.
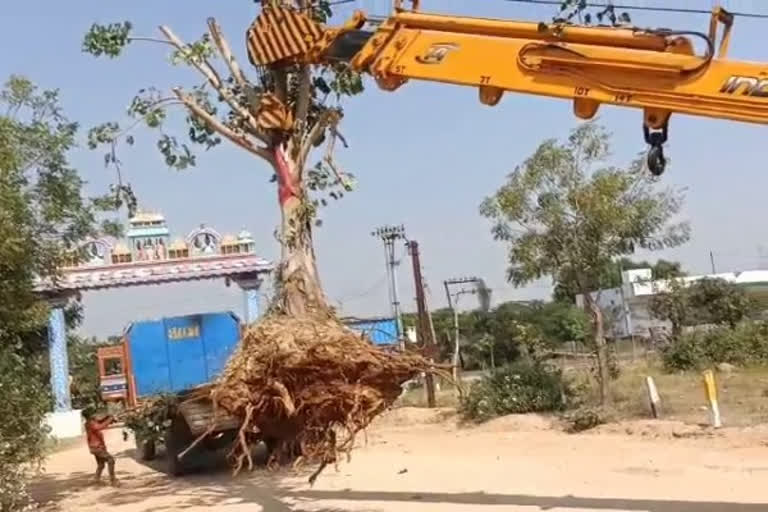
251 298
59 359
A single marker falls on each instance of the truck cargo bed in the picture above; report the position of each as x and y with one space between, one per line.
199 416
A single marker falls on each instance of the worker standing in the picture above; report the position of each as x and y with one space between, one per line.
94 427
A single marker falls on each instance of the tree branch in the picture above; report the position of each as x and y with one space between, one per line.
167 101
326 119
226 53
216 125
151 40
204 67
213 78
329 160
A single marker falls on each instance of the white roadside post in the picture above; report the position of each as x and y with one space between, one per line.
653 397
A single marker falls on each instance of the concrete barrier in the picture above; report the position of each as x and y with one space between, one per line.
65 425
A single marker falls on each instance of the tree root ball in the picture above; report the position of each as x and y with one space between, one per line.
307 386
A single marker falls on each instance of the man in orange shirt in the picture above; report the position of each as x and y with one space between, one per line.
97 446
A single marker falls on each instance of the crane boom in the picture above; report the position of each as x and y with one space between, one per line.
656 70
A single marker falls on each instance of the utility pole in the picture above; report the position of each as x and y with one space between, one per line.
712 261
453 303
425 330
388 235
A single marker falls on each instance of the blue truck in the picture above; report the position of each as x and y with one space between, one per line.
177 355
173 356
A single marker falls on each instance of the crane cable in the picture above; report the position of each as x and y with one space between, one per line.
681 10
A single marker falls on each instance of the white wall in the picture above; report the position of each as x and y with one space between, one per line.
65 425
623 319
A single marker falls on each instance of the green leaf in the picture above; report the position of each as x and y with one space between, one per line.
104 133
322 85
107 40
112 228
192 53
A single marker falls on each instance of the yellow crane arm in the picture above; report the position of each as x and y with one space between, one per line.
658 71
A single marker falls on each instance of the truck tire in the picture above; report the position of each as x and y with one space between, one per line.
176 441
145 450
270 443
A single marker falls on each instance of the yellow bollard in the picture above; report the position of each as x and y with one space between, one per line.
710 388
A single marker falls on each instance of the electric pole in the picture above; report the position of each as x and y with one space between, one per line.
424 330
388 235
484 295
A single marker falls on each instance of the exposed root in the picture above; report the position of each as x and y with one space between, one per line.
242 444
309 385
316 473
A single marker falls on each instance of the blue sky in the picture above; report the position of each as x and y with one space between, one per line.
424 156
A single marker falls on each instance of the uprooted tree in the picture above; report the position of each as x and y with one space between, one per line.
566 213
298 376
279 116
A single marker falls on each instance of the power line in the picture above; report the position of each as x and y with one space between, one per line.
681 10
363 294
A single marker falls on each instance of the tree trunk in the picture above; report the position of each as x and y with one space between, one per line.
600 346
299 292
677 331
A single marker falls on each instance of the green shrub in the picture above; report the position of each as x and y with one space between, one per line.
687 353
151 420
84 368
521 387
585 418
745 344
23 404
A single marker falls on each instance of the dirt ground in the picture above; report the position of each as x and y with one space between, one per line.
418 460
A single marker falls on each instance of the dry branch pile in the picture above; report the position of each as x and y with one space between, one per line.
308 385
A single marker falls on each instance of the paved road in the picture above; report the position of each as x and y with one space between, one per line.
412 463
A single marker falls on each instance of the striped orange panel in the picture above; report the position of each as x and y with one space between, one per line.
280 33
273 114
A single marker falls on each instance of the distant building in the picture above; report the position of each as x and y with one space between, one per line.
626 307
147 237
381 331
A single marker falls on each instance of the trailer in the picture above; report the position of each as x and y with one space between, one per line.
173 356
178 355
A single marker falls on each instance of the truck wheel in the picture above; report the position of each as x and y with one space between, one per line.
145 449
178 438
270 443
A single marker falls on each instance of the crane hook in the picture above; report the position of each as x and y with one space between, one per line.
655 159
